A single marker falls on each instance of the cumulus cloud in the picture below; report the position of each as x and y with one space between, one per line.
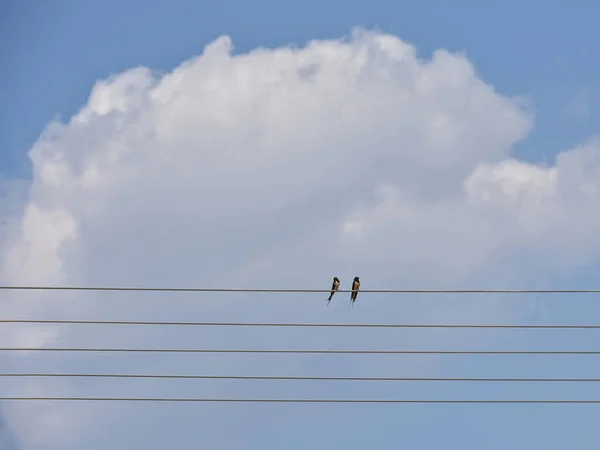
8 441
501 206
280 167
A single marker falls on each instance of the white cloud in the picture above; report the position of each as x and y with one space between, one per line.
281 168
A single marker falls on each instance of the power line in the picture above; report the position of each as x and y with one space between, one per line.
289 400
299 325
357 352
374 291
301 378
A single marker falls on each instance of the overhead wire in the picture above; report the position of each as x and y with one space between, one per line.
372 291
284 324
297 378
299 351
355 352
301 400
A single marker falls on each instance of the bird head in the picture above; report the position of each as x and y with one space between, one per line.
336 279
356 279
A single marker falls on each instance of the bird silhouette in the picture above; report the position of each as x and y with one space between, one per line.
355 286
334 287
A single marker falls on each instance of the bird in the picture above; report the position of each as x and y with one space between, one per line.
334 287
355 286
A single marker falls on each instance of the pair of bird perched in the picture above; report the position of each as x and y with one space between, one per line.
336 285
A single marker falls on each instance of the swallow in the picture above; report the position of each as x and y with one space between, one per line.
334 287
355 286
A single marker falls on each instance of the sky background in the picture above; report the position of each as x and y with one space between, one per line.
520 48
437 208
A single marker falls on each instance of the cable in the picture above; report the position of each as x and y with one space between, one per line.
301 325
378 291
302 378
281 400
381 352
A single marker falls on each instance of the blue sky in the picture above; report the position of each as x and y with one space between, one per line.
56 51
53 53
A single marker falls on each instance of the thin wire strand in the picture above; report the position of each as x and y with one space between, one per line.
356 352
288 400
373 291
299 325
301 378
